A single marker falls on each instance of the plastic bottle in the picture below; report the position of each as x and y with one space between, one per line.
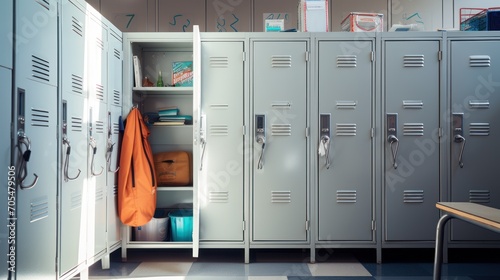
159 82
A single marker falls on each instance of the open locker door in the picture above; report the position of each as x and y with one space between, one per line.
196 134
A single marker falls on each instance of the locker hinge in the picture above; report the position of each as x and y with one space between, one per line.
243 226
307 56
244 130
307 132
372 132
440 55
374 226
372 56
440 132
244 56
307 225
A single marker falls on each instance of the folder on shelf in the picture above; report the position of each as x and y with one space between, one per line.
173 111
137 71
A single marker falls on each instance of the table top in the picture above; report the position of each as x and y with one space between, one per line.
473 211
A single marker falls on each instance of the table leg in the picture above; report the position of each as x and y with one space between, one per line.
438 257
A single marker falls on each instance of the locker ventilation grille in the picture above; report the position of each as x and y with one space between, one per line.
413 196
115 191
219 62
479 196
39 117
281 196
76 200
479 129
76 124
413 129
77 27
415 60
99 92
479 61
99 43
479 104
77 84
346 104
39 210
281 61
117 98
344 196
116 128
117 54
44 3
99 194
219 130
218 197
281 129
346 129
40 68
413 104
99 127
346 60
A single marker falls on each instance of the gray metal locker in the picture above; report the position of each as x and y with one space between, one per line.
345 165
35 124
475 132
411 96
280 143
221 174
73 156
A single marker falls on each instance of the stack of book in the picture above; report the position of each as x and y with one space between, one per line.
170 116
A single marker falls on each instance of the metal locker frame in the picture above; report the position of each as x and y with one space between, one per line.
351 50
390 145
472 77
299 235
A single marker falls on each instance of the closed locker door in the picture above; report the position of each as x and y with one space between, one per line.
345 195
411 139
7 234
221 173
72 240
474 88
279 141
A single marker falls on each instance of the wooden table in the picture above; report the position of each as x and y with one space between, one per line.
483 216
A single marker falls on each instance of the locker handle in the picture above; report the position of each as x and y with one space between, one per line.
460 139
203 146
93 145
66 162
394 143
109 148
262 141
24 157
324 149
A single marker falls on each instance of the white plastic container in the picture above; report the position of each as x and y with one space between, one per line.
154 230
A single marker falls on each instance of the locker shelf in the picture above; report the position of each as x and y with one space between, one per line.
174 188
165 90
158 244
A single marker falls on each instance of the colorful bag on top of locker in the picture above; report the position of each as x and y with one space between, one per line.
136 176
173 168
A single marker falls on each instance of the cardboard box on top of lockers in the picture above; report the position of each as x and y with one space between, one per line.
313 16
363 22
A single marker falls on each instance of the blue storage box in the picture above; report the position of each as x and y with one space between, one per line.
181 222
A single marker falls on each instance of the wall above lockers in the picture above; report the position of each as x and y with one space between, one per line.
249 15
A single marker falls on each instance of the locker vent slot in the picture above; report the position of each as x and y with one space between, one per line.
117 54
479 129
39 210
219 62
77 84
44 3
219 106
117 98
39 117
344 196
219 130
281 196
76 124
99 92
413 129
346 104
115 190
413 196
346 60
76 200
415 60
218 197
77 27
99 194
281 61
479 196
99 43
479 61
40 68
413 104
346 129
116 128
479 104
281 129
99 126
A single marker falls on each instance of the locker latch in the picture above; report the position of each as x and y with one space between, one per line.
65 142
260 136
109 146
392 136
458 131
324 138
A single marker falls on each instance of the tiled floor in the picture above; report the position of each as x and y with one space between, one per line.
338 264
